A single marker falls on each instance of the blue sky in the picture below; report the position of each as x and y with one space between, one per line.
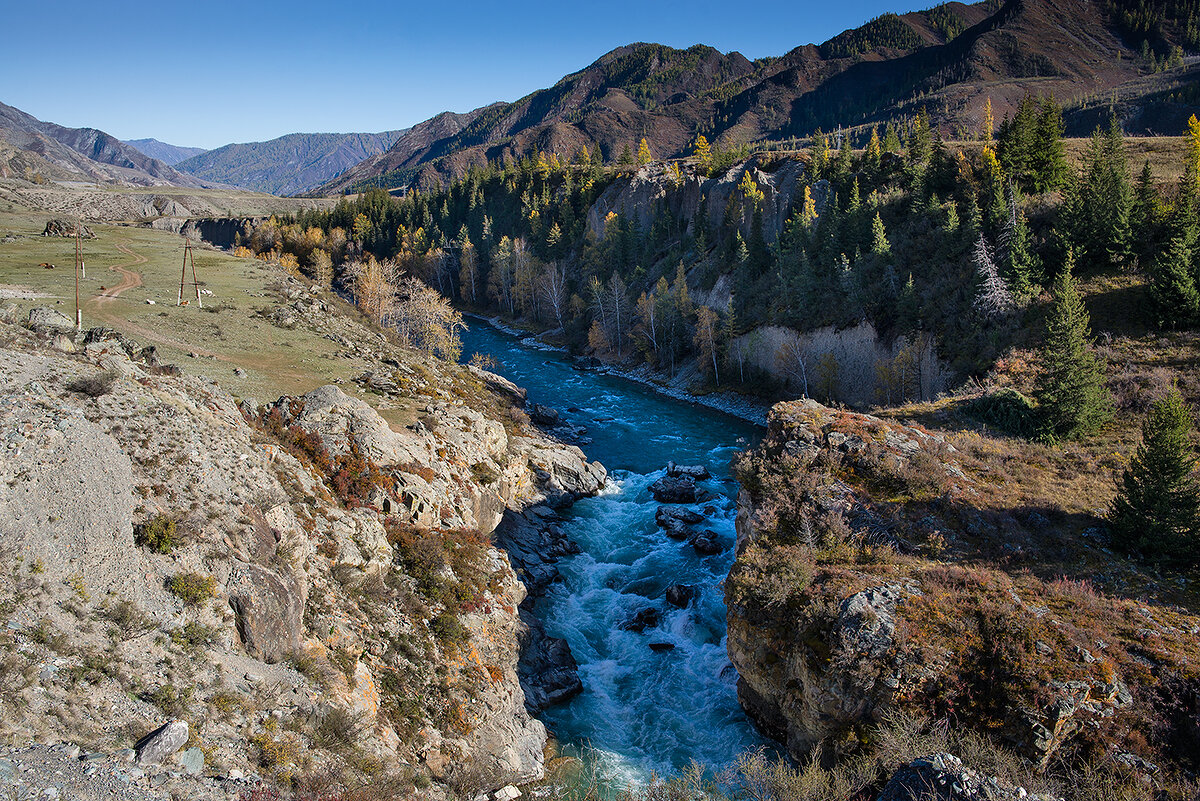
205 74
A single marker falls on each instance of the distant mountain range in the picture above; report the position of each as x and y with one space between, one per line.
31 148
1130 56
288 165
948 59
168 154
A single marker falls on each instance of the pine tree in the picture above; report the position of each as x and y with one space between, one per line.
873 158
1071 394
1018 264
879 241
1049 158
989 123
1157 510
1143 215
1173 286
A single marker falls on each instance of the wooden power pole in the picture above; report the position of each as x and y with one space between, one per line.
78 267
188 257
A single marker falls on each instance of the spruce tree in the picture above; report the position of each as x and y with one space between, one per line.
1071 394
1173 286
1157 510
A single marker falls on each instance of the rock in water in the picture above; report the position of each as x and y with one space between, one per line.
662 646
696 471
681 489
708 543
680 595
647 618
161 743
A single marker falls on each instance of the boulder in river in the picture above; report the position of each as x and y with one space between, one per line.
680 595
547 668
544 415
670 489
647 618
677 522
697 472
662 646
707 544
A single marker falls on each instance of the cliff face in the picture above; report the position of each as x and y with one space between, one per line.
310 588
880 571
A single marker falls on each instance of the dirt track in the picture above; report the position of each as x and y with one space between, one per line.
129 278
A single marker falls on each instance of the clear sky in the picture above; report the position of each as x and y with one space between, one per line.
207 73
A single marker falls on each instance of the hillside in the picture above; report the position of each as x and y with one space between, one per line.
290 164
168 154
949 60
30 147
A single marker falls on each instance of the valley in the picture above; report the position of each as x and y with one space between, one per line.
818 426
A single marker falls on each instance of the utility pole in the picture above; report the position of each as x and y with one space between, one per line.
188 256
78 267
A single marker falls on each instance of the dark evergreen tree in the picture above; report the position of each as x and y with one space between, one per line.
1173 285
1072 398
1157 510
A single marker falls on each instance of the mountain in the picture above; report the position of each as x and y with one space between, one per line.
949 59
168 154
31 147
290 164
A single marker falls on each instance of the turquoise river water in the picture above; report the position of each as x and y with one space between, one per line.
641 710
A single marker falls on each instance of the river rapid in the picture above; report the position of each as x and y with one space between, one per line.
642 710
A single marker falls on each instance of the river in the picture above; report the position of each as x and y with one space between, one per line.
642 710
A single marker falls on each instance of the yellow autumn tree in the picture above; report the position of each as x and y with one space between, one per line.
1191 170
703 154
643 156
989 122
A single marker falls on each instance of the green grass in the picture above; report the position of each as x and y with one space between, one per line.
226 334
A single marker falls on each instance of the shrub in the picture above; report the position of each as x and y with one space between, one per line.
95 385
1007 410
192 588
483 474
170 700
157 534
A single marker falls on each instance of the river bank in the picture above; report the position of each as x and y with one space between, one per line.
751 410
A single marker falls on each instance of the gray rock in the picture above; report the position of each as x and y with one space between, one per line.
674 490
680 595
547 669
192 761
162 742
707 544
942 777
698 472
43 318
269 611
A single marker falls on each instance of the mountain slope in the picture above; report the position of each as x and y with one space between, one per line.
949 59
290 164
28 144
168 154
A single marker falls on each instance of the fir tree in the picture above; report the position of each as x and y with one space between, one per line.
1071 394
1173 285
1157 510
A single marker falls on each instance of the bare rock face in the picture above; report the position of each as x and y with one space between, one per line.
66 495
46 319
269 611
58 227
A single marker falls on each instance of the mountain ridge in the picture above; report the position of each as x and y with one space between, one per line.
164 152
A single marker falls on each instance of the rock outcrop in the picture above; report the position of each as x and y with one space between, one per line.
869 580
302 562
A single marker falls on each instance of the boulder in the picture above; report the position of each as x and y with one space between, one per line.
708 543
647 618
680 595
942 777
161 743
547 669
269 611
662 646
544 415
698 472
45 319
677 522
670 489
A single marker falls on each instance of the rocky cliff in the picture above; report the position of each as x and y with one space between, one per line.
312 589
883 568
